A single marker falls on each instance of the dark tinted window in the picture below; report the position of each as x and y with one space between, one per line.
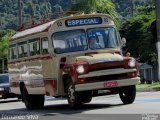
4 79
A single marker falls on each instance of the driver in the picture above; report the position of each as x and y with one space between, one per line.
93 43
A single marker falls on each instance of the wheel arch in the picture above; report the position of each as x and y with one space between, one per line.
21 85
65 78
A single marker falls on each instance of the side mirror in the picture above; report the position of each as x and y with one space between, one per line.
123 42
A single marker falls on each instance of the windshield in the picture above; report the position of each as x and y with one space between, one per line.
69 41
99 38
79 40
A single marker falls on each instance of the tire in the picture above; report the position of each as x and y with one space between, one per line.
32 101
127 94
73 97
86 96
19 97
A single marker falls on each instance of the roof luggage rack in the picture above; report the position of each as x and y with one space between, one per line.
45 19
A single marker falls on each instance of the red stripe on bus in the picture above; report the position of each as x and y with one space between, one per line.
14 84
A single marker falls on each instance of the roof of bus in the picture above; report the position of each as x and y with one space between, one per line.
45 26
30 31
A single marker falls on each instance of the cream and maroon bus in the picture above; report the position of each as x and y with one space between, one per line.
76 57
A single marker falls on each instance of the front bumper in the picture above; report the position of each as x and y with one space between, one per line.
100 85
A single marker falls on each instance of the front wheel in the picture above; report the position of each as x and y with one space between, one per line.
73 97
32 101
127 94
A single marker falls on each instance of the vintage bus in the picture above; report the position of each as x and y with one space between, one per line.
76 57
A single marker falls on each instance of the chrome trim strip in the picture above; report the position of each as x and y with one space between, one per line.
107 72
49 78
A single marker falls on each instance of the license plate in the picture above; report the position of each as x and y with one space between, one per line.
110 84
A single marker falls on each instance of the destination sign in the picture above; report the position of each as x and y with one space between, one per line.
83 21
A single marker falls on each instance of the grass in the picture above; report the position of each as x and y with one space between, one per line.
156 84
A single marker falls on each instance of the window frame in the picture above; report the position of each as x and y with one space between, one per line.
32 41
20 44
11 51
47 49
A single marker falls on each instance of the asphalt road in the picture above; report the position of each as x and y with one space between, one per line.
145 107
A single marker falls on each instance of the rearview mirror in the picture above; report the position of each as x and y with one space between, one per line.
123 42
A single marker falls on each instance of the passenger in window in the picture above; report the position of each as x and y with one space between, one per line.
75 42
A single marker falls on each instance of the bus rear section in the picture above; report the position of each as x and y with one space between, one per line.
84 60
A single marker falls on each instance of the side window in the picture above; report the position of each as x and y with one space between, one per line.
34 47
12 53
45 46
22 50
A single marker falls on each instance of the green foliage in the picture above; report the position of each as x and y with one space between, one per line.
140 41
90 6
145 9
4 38
6 34
102 6
32 9
127 8
36 9
106 6
87 6
156 84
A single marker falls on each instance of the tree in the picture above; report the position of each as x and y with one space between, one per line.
90 6
4 47
31 9
140 41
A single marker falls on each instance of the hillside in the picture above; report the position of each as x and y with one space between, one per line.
31 9
36 9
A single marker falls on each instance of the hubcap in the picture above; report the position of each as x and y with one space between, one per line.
124 94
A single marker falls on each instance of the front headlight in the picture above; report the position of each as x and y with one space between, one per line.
132 63
80 69
1 89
